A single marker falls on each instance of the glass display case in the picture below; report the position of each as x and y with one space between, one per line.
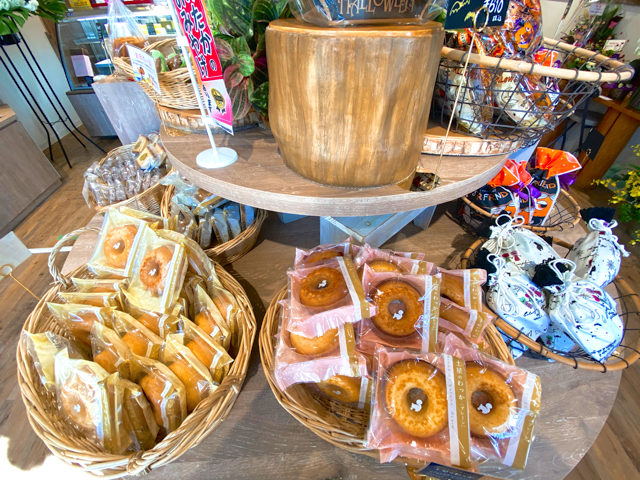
82 33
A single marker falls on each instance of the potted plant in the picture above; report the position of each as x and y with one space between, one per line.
13 14
239 27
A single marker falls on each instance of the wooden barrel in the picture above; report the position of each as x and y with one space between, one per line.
349 106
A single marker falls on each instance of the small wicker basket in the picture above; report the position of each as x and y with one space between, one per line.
235 248
176 90
342 425
565 215
68 445
628 310
148 200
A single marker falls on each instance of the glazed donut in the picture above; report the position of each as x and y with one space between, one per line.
415 395
153 386
137 342
398 308
322 287
154 269
117 245
342 388
194 383
80 399
320 256
488 392
325 343
202 351
384 266
107 359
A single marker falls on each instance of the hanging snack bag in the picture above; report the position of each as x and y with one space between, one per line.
586 313
192 373
107 349
43 348
158 272
79 319
380 260
407 308
503 402
598 254
123 29
325 296
300 359
206 349
117 245
139 416
140 340
417 411
463 287
321 253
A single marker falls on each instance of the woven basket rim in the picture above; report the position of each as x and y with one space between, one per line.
308 414
612 364
563 195
207 416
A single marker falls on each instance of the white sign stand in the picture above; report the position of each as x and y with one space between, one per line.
214 157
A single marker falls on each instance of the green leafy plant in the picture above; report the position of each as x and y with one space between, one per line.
14 13
240 27
625 185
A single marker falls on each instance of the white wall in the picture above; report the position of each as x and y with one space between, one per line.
34 33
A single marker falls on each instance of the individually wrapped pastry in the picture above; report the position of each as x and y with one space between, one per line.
182 220
158 272
79 319
98 285
380 260
513 296
140 340
325 296
205 233
82 397
186 366
219 226
347 389
206 349
464 287
120 437
407 309
117 244
139 416
207 202
503 402
43 348
161 324
418 409
107 349
518 245
300 359
472 322
598 254
209 319
232 215
321 253
154 221
199 263
165 392
587 313
95 299
247 215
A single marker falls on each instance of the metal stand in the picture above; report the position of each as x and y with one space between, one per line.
63 115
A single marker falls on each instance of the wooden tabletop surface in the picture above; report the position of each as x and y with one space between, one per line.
619 106
261 179
260 439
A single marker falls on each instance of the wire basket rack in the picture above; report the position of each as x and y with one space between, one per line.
515 99
628 303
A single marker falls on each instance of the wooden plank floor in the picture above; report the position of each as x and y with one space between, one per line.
614 455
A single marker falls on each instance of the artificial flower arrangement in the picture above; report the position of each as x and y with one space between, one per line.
14 13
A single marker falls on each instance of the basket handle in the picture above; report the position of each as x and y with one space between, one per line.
57 275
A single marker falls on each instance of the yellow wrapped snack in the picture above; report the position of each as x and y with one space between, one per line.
139 415
140 340
79 319
209 319
206 349
107 299
108 350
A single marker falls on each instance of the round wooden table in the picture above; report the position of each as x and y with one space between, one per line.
259 439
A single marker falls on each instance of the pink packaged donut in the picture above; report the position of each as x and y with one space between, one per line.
389 261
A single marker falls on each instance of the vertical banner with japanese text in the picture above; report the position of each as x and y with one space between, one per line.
195 27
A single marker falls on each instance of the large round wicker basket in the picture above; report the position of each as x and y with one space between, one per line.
148 200
342 425
628 310
68 445
176 90
230 251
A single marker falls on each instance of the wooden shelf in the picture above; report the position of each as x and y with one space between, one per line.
261 179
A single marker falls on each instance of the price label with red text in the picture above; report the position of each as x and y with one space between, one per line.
192 17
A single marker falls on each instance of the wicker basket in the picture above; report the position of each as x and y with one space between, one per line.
628 309
564 215
563 90
176 90
148 201
235 248
69 446
342 425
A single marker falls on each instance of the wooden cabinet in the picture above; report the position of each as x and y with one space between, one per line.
26 177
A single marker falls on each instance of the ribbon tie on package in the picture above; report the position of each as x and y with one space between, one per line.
551 163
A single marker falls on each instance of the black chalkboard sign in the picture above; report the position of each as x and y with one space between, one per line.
460 13
441 472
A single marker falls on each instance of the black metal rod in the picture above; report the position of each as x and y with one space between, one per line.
26 87
55 95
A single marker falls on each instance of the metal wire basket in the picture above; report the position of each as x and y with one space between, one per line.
519 100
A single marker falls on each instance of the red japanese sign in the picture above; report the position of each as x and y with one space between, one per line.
193 22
